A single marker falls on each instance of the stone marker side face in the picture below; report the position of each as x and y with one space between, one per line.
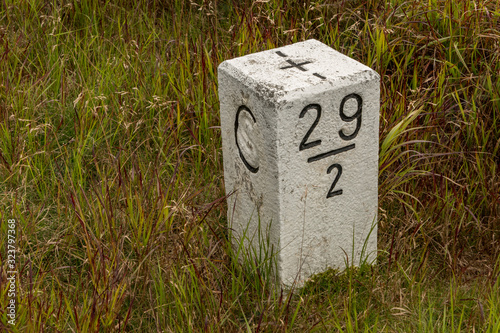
250 161
329 189
300 145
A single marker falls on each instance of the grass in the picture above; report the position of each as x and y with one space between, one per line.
110 162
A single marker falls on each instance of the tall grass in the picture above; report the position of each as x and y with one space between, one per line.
110 161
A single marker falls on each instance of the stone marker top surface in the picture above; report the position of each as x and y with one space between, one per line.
304 66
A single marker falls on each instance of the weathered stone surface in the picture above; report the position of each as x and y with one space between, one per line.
300 148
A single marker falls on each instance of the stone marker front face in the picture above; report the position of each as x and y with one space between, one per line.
300 148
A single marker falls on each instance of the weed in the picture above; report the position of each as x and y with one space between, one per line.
110 162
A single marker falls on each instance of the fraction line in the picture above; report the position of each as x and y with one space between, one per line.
331 153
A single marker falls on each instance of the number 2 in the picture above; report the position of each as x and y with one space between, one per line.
331 192
303 144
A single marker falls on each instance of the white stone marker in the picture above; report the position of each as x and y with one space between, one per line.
300 148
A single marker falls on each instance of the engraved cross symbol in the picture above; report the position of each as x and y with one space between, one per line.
299 66
293 64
